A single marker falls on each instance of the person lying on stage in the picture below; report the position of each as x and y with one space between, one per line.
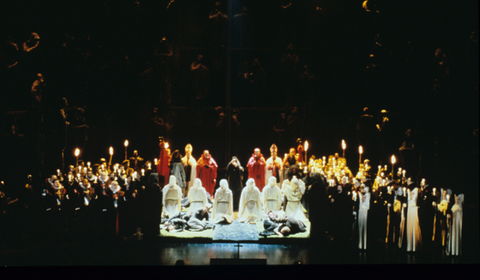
289 226
193 222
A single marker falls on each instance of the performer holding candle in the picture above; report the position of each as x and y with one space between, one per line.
256 168
414 235
163 162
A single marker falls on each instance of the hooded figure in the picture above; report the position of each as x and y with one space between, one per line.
223 204
207 171
235 177
190 166
177 169
172 196
256 168
293 195
271 196
250 203
197 196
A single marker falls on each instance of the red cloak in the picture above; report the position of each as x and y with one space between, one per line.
256 170
208 175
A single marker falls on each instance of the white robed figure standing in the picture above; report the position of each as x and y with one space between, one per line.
223 204
172 196
250 203
271 196
364 206
414 235
456 228
293 192
197 196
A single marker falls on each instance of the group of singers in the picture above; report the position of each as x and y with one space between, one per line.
279 192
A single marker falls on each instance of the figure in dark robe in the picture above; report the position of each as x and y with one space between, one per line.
234 177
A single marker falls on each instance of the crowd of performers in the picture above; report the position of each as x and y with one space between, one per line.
280 193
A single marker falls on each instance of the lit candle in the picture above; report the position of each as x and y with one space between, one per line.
85 170
110 151
143 172
77 153
156 161
58 171
433 191
305 170
134 176
344 146
306 148
399 172
149 166
393 164
403 172
422 184
360 152
88 164
126 145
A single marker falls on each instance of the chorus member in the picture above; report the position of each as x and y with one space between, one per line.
364 206
273 166
271 196
222 211
207 172
249 210
177 169
234 178
293 196
414 235
256 168
197 196
190 166
172 196
457 224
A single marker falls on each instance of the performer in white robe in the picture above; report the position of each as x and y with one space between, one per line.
190 165
223 204
271 197
250 203
364 206
293 195
273 166
457 222
172 196
414 235
197 196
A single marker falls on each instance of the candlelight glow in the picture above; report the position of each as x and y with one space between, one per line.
393 159
77 152
143 172
166 145
126 143
306 146
88 164
344 145
360 149
156 161
111 151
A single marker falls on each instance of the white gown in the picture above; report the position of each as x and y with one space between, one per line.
271 197
223 203
457 223
364 206
250 203
197 196
172 196
293 194
414 235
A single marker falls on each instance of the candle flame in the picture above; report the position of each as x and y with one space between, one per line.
306 146
156 161
111 151
344 145
126 143
77 152
88 164
360 149
166 145
393 159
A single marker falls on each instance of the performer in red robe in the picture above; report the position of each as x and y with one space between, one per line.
207 172
163 160
256 169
